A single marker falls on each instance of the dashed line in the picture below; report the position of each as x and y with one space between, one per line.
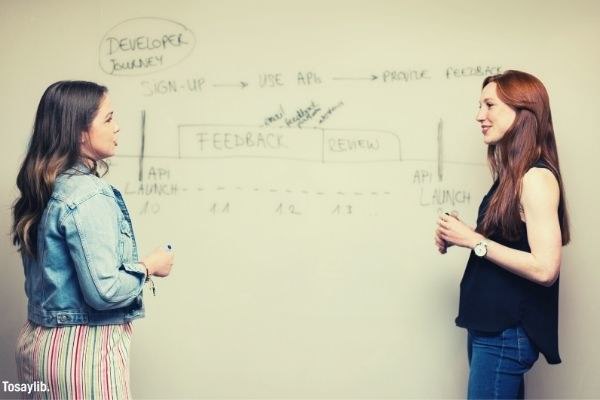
290 191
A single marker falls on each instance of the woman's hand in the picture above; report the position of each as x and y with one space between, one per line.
159 262
440 243
452 231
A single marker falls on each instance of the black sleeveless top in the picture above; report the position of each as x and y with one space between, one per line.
493 299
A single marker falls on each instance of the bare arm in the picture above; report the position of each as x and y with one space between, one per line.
539 198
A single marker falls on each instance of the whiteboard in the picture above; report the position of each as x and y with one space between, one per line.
296 155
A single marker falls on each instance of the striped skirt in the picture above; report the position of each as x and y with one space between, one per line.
75 362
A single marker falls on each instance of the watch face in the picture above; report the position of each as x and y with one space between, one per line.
480 249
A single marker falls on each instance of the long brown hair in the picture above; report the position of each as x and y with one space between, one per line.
65 112
530 139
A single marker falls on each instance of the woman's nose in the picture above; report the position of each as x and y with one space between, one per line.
480 115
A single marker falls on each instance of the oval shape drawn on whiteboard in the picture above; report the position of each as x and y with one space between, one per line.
144 45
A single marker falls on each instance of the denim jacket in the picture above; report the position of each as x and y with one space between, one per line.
86 271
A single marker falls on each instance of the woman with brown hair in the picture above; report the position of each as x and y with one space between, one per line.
509 291
83 277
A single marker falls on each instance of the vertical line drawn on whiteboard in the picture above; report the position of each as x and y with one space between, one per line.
142 145
322 146
440 148
178 143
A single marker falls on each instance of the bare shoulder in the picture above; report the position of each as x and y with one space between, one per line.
538 184
540 177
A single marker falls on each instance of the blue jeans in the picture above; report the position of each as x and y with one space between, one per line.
498 362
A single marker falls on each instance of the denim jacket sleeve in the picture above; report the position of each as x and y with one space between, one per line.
92 229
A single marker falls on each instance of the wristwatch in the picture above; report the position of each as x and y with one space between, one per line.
480 249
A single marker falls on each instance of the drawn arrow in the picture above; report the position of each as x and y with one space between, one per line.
364 78
241 85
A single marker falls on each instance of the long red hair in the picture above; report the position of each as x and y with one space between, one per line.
530 139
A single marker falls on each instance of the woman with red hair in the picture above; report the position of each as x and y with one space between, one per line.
509 291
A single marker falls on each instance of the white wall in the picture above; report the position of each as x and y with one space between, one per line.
305 271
